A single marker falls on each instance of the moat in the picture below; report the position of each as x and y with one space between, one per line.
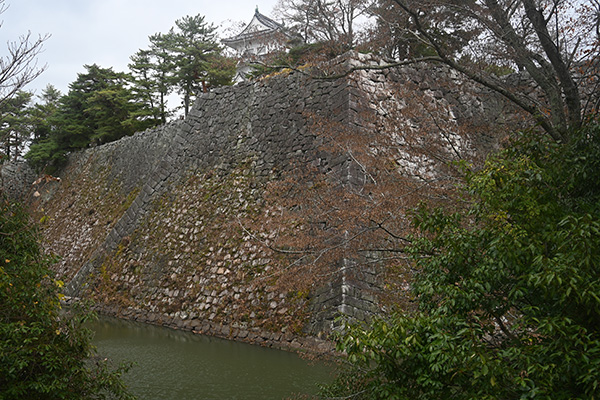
173 364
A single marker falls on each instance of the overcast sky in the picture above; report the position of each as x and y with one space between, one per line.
106 32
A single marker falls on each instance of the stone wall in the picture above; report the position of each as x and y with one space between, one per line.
16 179
157 226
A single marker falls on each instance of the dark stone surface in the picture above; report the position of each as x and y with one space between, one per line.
268 123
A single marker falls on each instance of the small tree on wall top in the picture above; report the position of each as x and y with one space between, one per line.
187 59
328 21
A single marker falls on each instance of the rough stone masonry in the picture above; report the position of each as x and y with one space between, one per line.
149 226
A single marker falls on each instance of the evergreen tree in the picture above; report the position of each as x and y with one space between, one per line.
150 87
163 70
15 126
99 108
195 50
186 60
44 148
43 113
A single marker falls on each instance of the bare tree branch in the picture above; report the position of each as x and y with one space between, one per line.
19 67
521 31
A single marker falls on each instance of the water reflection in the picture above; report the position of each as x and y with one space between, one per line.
180 365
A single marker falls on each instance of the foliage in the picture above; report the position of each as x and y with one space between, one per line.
196 52
187 59
149 85
220 71
98 109
44 149
43 113
46 154
508 288
24 124
15 125
44 351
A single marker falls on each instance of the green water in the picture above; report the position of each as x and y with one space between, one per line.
180 365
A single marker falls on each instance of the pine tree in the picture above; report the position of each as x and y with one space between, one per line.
15 127
196 51
99 108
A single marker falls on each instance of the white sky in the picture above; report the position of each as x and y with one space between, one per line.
106 32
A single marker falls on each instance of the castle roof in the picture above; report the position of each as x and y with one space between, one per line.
260 26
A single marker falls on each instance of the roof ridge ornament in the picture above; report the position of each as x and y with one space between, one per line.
257 10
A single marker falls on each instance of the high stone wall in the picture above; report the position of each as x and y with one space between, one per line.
148 225
153 226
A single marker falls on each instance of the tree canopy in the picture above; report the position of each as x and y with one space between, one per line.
330 21
99 108
45 352
15 125
553 44
507 288
187 60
